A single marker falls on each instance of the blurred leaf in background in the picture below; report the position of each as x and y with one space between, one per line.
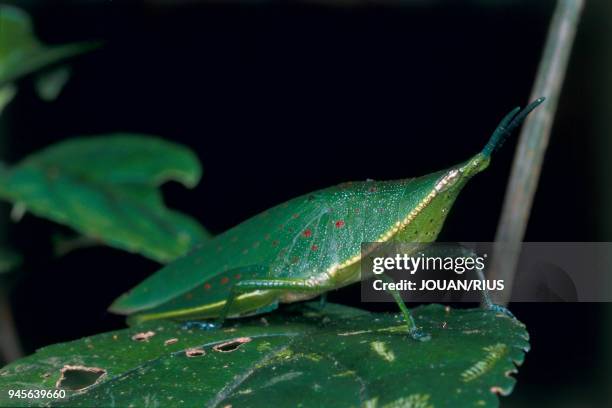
9 260
21 54
106 188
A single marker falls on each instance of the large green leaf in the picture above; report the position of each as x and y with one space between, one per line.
334 357
20 51
105 187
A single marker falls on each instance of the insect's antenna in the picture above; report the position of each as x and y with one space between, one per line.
507 125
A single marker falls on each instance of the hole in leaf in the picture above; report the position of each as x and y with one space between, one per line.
77 378
231 345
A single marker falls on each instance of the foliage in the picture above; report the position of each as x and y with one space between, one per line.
307 356
22 54
106 187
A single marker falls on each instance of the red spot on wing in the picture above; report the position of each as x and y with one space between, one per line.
207 286
314 247
339 224
238 276
224 280
307 233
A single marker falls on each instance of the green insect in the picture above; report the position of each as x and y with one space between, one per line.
306 246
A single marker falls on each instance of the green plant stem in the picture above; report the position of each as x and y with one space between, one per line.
532 144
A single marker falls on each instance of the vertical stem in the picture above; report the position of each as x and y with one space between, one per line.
532 144
10 349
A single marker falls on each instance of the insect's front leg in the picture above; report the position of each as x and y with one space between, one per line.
286 284
413 330
486 302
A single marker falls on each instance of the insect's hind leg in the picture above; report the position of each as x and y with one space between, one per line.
323 301
247 285
413 330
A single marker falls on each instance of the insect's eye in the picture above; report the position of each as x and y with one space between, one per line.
448 180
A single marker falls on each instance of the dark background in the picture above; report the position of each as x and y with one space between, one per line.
282 99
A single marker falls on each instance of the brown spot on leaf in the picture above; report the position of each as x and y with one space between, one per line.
78 377
194 352
143 336
231 345
170 341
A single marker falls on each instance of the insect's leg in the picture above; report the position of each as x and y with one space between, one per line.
460 251
297 285
414 331
486 302
323 300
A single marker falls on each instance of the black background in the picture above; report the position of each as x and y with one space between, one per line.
281 99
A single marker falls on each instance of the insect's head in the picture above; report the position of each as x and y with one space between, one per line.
458 176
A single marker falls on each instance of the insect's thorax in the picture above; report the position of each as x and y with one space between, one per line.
417 214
